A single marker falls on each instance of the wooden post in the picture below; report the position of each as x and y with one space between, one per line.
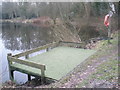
29 77
11 72
47 49
26 56
42 76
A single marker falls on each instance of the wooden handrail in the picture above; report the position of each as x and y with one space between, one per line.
28 63
74 44
24 62
70 42
35 50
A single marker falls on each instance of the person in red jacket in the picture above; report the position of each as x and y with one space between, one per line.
107 24
106 20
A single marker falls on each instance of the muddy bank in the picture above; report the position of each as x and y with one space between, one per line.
62 33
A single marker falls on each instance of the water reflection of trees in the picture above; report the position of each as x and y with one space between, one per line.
88 32
22 37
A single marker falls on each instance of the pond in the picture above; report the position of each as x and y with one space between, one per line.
17 37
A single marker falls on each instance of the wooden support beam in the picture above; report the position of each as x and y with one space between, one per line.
42 76
11 74
29 77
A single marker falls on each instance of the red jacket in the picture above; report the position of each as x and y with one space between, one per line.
106 20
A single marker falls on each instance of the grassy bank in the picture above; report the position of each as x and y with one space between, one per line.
105 74
98 71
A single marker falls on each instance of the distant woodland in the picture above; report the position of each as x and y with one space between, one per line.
63 10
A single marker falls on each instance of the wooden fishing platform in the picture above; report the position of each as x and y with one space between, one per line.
59 59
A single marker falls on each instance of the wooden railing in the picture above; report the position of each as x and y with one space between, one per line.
72 44
54 44
25 62
14 58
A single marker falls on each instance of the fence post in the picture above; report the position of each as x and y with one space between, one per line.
11 72
43 75
47 49
29 77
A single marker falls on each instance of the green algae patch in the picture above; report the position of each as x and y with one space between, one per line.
58 61
61 60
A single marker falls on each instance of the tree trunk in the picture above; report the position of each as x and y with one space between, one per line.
54 20
87 10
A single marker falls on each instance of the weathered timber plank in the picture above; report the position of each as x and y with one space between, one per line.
28 63
28 72
71 42
74 44
25 71
35 49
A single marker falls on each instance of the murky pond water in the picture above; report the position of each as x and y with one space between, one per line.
16 38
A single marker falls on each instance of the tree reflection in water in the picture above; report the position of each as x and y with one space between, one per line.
22 37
